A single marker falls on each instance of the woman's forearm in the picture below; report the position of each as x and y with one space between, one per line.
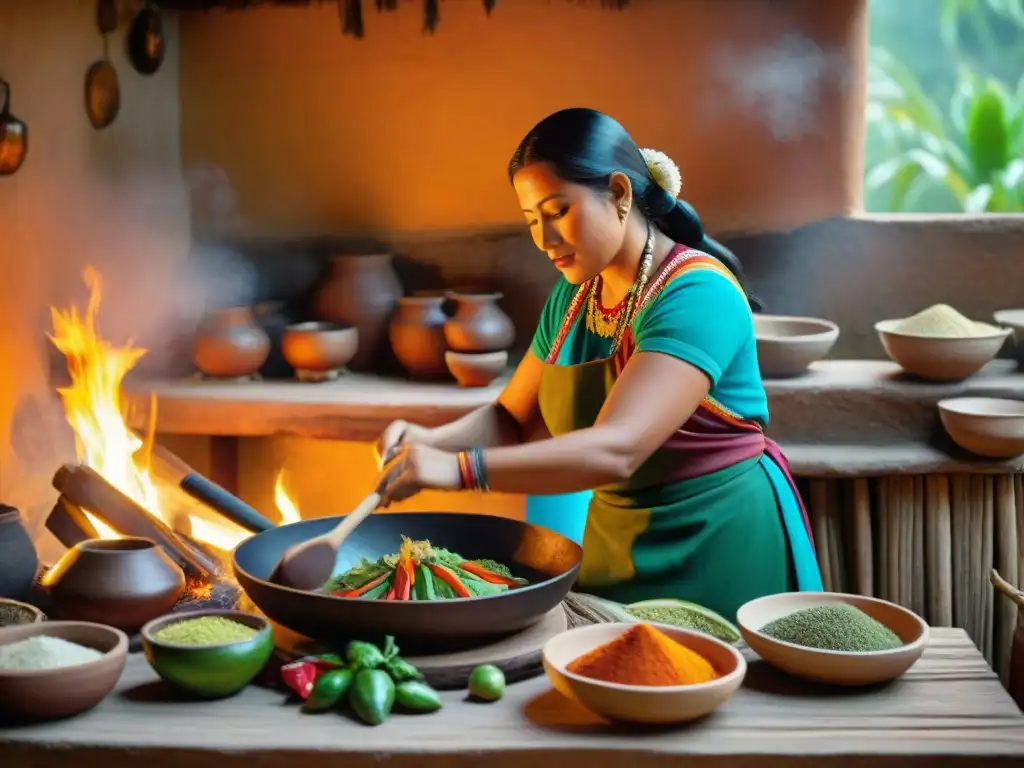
487 427
577 461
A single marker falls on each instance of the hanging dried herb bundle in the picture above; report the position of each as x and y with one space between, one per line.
420 571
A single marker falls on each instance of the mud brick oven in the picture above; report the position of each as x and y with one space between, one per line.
315 143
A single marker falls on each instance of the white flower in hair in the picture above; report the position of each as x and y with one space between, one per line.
663 171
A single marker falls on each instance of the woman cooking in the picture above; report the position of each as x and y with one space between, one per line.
641 382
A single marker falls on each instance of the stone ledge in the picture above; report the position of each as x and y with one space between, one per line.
872 402
844 418
815 460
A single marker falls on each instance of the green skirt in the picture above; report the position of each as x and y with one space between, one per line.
716 540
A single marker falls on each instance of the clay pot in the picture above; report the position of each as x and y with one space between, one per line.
417 336
476 370
478 324
18 558
120 582
360 291
319 347
230 345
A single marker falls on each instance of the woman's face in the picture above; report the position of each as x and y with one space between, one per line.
578 227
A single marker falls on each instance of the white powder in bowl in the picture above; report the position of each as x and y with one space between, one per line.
941 321
44 652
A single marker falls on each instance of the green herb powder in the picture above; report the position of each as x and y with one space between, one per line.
835 627
205 630
679 616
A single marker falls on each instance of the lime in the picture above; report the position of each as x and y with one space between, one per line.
487 683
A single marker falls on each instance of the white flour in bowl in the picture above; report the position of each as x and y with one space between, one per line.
943 322
44 652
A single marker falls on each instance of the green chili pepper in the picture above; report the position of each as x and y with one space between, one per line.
418 697
373 696
364 655
401 670
329 689
424 584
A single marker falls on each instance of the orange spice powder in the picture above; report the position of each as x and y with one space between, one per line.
642 655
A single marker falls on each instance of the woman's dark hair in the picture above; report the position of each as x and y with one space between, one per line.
586 147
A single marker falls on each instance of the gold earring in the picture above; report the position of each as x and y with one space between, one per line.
623 211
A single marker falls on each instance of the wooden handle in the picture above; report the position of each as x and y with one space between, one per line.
353 519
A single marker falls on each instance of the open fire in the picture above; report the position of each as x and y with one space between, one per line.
104 442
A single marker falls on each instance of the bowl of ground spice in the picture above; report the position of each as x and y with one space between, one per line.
940 344
209 654
57 669
834 638
14 613
643 673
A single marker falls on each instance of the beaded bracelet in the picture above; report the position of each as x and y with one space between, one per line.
473 470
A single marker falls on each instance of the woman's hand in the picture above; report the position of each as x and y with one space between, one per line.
414 468
397 434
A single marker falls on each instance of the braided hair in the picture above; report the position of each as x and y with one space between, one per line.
586 147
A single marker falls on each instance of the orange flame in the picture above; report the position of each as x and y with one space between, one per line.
286 504
92 405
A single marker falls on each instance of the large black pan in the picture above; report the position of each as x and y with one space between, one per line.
548 560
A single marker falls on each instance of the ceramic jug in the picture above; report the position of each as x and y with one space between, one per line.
417 336
230 344
360 291
478 324
18 558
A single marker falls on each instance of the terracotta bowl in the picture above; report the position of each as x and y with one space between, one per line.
319 347
472 369
835 667
939 359
209 671
786 346
1014 320
987 426
48 694
638 703
15 614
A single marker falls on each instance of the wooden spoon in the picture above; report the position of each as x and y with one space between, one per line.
310 564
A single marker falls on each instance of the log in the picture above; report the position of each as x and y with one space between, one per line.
69 524
88 490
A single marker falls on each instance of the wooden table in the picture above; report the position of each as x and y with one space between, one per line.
948 710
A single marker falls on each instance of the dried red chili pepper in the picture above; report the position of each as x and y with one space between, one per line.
300 676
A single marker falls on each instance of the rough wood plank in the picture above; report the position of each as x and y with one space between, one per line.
948 705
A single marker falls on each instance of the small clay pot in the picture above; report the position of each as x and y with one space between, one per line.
230 345
417 335
319 347
478 324
476 370
361 291
123 583
18 558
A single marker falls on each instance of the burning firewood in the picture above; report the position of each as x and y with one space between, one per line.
89 491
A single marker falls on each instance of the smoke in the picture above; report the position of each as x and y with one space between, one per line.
782 82
157 282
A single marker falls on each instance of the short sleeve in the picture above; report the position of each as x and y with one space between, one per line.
700 317
550 322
